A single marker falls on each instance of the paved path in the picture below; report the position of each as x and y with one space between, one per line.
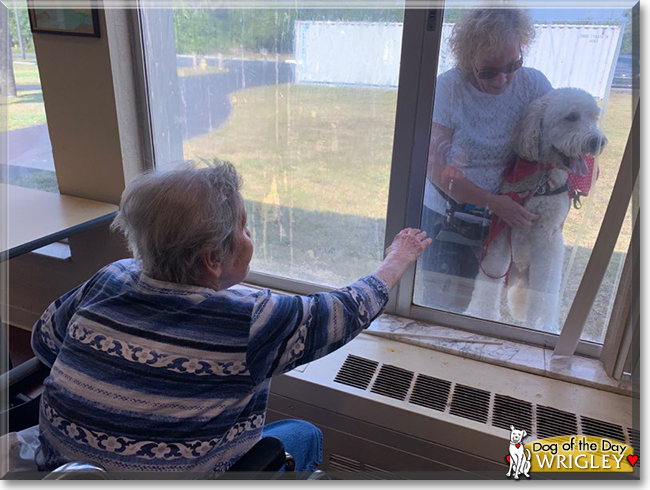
206 108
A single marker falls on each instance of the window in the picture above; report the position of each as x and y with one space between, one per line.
303 102
446 278
327 113
29 151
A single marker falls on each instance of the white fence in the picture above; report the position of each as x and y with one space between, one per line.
360 53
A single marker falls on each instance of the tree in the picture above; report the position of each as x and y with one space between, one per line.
7 77
196 31
626 43
25 31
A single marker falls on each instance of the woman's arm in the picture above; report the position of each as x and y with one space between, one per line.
288 331
452 181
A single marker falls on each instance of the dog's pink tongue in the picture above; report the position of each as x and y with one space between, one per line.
578 165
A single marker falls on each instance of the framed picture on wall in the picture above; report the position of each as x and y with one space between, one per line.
65 21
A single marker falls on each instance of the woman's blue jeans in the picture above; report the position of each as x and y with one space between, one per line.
304 441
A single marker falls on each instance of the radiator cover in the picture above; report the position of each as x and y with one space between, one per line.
390 410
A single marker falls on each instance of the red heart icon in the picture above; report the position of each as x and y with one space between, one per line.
632 459
508 458
517 445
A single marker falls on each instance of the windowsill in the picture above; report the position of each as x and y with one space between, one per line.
507 353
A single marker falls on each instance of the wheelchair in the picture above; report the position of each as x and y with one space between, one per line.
267 459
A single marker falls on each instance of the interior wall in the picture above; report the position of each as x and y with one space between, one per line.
81 113
92 115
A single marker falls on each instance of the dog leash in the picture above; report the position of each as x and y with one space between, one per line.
498 225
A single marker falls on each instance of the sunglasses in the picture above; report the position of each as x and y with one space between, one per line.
488 73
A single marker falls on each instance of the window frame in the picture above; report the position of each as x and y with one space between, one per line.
421 38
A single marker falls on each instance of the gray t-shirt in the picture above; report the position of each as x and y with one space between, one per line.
482 126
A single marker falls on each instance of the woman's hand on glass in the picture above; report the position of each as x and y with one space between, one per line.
513 213
407 246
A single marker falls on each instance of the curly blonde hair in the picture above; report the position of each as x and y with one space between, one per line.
486 31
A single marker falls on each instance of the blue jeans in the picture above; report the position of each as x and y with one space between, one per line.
303 440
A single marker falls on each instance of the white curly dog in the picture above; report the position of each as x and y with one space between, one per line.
556 130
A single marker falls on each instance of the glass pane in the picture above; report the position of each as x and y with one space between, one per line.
531 242
29 151
303 102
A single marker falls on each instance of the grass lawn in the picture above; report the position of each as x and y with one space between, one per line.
26 74
313 148
316 165
25 110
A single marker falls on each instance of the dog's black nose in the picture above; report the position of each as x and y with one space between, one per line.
596 144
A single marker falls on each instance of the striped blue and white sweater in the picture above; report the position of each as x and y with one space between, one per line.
154 376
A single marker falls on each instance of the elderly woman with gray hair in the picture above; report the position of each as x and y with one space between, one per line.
477 105
159 363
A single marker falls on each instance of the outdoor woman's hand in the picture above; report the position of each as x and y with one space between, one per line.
514 214
408 245
448 175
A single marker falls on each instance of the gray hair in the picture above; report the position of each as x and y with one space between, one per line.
171 219
486 31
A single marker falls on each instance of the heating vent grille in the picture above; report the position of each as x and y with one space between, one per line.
598 428
470 403
393 381
368 472
500 411
510 411
357 372
379 474
635 442
341 463
430 392
552 422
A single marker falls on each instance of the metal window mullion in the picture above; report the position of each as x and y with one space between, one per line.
627 354
626 359
627 293
142 89
604 246
419 60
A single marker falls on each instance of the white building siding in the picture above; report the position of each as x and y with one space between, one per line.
356 53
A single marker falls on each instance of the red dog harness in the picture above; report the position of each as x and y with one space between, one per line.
577 186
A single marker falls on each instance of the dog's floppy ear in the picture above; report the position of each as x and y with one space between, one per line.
523 435
512 427
526 140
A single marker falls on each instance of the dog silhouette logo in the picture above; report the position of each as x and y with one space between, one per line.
518 455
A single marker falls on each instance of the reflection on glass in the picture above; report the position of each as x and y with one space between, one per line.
303 103
29 151
485 239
